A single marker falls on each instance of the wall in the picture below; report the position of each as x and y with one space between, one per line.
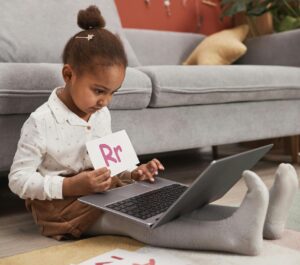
185 15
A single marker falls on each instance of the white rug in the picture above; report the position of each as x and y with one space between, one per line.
272 254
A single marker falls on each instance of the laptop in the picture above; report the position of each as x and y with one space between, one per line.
154 204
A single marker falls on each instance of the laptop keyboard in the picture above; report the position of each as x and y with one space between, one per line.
151 203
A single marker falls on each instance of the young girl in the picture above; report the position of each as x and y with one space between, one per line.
51 167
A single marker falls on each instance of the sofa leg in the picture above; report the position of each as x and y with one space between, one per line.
295 148
215 152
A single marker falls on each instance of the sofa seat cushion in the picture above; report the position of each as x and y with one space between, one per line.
25 86
193 85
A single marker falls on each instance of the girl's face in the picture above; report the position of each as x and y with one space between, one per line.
88 92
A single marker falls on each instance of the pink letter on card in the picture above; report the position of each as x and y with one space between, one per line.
107 156
118 149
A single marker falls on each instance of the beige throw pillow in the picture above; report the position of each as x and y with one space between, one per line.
223 47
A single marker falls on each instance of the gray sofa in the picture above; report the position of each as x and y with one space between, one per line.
162 105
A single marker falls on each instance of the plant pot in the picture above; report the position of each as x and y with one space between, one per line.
261 25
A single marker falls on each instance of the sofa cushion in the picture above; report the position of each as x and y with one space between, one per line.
192 85
36 31
223 47
24 87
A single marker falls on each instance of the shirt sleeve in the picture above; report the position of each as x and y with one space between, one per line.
24 178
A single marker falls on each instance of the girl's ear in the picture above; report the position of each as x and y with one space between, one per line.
67 73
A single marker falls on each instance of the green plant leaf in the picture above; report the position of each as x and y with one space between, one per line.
289 23
286 13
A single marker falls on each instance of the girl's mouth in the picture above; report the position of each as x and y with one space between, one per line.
96 109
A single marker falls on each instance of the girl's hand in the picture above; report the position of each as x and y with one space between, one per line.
147 171
87 182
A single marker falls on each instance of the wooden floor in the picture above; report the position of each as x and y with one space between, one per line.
19 234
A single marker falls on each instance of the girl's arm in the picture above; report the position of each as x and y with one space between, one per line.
24 179
87 182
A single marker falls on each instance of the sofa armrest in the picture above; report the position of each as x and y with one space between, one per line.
153 47
275 49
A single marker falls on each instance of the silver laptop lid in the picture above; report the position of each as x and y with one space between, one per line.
213 183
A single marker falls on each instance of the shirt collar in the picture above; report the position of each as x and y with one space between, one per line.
61 112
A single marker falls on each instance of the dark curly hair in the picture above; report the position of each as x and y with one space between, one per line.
103 49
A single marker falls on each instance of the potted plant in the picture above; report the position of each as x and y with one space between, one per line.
283 14
287 15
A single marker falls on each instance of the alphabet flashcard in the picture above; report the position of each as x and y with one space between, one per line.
114 151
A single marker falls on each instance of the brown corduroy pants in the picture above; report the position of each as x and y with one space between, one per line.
62 219
68 218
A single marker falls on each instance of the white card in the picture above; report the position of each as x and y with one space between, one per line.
114 151
124 257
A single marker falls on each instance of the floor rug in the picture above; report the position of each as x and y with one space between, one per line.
272 254
72 253
275 252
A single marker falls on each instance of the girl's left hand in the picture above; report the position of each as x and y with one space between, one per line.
147 171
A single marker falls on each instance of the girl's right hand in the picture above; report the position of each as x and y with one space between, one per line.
87 182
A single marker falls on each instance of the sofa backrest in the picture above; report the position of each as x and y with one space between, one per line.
155 47
36 31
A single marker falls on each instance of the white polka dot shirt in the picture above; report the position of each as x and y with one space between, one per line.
51 145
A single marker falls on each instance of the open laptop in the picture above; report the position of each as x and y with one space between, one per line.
154 204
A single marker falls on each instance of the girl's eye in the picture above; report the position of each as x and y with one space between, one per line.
98 92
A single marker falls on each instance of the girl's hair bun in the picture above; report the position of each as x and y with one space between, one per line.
90 18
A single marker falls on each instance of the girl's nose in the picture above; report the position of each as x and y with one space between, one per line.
104 101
